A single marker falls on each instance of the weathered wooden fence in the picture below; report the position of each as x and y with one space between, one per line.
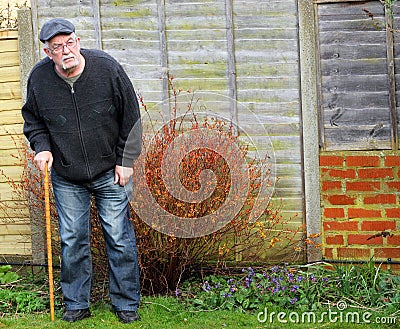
15 230
359 75
320 77
243 55
233 52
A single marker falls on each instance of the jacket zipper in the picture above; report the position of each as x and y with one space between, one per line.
80 132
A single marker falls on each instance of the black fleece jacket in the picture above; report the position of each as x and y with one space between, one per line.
90 127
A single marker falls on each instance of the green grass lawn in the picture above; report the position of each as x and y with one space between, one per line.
340 299
168 313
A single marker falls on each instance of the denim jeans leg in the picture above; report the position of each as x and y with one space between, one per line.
73 207
112 202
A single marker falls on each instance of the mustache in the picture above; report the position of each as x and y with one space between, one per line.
65 57
72 66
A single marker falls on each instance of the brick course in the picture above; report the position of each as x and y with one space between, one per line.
380 199
376 173
392 160
329 160
334 239
360 205
394 185
364 239
362 161
378 225
363 186
393 212
334 212
364 213
340 226
341 199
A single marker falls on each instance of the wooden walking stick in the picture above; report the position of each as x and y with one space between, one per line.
48 235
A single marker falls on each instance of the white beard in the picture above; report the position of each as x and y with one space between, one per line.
67 69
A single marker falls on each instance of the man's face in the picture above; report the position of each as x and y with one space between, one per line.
64 50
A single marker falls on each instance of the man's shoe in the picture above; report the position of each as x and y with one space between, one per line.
127 316
76 315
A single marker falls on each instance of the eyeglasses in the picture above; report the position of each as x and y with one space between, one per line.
58 48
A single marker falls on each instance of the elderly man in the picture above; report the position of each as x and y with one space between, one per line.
82 118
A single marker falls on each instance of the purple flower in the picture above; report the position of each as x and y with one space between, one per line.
226 295
294 288
206 286
251 271
177 292
247 282
293 300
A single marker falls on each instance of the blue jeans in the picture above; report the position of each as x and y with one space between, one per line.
73 207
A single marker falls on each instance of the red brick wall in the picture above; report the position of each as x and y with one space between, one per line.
360 205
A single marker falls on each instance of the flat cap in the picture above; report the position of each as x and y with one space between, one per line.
55 26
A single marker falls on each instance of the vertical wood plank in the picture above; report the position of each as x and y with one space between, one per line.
163 59
392 79
232 86
35 26
97 24
309 107
321 135
26 47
